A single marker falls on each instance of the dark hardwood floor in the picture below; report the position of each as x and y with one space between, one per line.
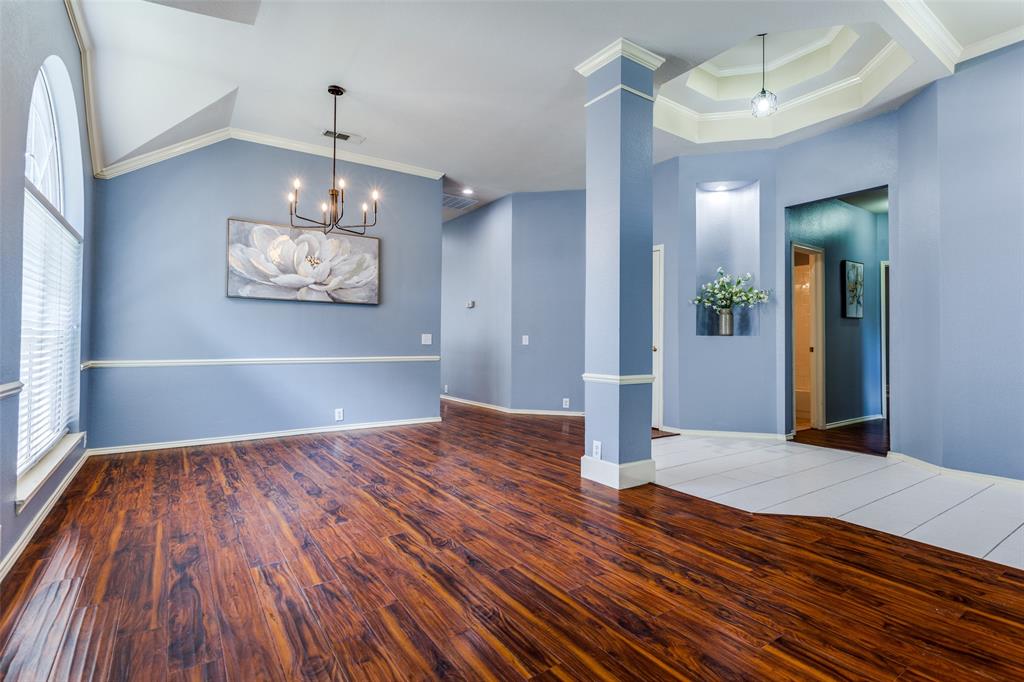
871 438
472 549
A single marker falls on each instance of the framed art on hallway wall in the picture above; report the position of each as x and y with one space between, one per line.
852 280
283 263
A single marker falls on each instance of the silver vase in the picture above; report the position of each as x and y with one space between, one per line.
725 322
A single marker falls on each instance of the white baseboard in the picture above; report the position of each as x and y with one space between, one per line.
855 420
988 478
729 434
139 447
511 410
617 476
12 556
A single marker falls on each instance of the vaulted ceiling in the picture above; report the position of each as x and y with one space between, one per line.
485 93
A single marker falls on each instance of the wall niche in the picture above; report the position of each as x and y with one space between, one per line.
728 236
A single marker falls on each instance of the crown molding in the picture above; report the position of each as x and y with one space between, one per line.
92 127
778 62
992 43
680 120
620 48
919 18
206 139
323 150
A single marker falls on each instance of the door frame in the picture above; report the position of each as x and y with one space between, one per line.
658 338
817 333
884 307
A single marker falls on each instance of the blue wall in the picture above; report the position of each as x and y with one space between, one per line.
29 33
475 349
707 379
159 293
521 260
548 282
853 349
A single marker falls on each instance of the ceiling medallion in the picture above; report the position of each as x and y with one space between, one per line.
764 103
333 210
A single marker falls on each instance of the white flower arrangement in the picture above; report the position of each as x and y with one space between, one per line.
727 291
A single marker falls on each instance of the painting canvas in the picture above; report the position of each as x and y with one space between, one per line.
289 264
852 274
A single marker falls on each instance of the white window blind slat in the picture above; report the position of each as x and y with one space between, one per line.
51 308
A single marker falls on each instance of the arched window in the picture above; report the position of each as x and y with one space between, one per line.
51 268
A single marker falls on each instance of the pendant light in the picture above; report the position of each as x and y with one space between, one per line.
764 103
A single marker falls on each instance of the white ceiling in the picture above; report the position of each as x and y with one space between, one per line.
483 92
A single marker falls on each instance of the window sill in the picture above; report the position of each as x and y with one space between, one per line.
30 482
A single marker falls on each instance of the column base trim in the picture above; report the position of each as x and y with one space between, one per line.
618 476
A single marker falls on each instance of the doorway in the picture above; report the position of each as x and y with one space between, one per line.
808 300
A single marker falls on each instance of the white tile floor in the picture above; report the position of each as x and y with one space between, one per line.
965 514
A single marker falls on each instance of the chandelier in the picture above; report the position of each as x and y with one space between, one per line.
764 103
333 210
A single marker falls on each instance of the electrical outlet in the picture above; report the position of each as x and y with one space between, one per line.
565 402
426 339
446 389
339 414
596 451
526 340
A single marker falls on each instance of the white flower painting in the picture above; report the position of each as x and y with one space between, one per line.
283 263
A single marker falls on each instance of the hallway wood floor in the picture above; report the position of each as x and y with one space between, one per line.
471 549
871 437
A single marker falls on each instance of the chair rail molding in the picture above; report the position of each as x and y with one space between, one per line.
10 388
315 360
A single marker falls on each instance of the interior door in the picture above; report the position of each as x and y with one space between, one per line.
657 336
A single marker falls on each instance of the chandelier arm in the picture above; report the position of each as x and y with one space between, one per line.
308 220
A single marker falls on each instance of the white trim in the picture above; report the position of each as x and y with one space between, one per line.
616 88
658 340
748 69
512 410
142 447
620 379
200 362
617 476
817 334
988 478
10 388
26 535
92 127
855 420
206 139
992 43
36 476
883 266
620 48
828 102
920 19
700 433
323 150
85 47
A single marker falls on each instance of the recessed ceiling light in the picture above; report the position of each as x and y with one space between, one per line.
467 190
721 188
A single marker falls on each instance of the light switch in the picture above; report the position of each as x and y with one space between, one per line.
526 340
426 339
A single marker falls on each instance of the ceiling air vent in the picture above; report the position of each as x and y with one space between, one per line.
457 201
351 138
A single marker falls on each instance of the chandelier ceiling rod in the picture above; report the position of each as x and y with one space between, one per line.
332 210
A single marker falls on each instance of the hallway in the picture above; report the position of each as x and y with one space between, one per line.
870 437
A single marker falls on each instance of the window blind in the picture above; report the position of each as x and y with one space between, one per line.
50 331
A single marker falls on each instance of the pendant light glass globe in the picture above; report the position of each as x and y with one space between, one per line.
764 103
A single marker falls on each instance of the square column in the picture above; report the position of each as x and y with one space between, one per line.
619 116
